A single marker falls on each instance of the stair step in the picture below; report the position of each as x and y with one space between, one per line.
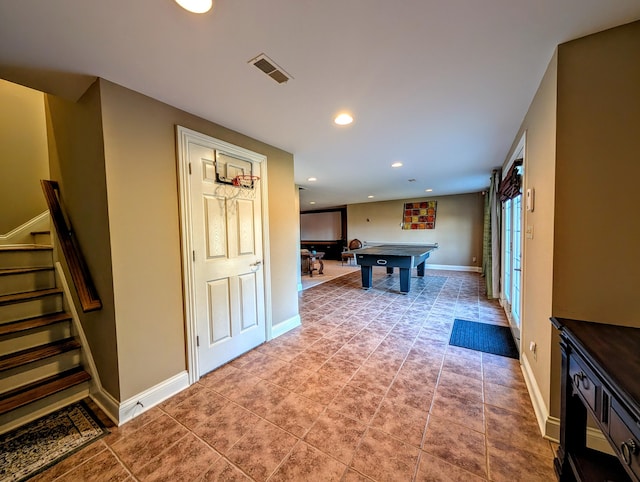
37 322
28 295
23 374
41 237
23 357
21 280
26 247
22 255
42 388
34 269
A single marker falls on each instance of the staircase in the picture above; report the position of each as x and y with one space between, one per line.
40 359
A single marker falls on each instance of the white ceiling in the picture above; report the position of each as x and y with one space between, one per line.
439 85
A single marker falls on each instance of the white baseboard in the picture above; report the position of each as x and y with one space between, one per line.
539 407
595 438
151 397
105 401
284 326
552 429
550 426
22 234
116 411
448 267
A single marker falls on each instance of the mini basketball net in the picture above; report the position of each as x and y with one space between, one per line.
242 186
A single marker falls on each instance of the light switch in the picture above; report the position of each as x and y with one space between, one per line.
529 232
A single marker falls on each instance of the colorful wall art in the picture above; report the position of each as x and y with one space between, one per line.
419 215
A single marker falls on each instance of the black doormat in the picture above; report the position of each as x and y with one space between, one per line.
36 446
483 337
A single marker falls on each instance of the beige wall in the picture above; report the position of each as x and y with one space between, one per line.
23 155
76 154
141 172
539 126
597 226
582 161
114 153
458 228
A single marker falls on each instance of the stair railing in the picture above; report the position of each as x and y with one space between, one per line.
80 275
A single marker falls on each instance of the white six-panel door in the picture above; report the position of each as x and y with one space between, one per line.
226 270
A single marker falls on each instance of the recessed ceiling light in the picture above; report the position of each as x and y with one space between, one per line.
396 164
312 202
196 6
428 190
311 179
343 119
370 197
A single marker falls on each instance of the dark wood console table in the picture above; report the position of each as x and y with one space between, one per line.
600 376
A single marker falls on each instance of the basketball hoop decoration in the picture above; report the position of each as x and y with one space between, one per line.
242 186
245 180
234 177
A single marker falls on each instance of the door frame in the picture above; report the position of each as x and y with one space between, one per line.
184 136
516 331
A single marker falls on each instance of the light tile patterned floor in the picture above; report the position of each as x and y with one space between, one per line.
367 389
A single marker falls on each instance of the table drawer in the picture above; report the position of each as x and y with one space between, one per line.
584 382
384 260
625 440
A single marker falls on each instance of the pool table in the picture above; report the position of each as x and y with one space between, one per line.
389 256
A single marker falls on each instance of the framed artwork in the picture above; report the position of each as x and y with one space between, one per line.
419 215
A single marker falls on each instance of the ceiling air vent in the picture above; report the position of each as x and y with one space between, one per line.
270 68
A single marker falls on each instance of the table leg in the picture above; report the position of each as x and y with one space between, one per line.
366 274
390 270
405 280
321 266
421 269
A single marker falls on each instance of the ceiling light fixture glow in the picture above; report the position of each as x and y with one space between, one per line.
370 197
311 179
428 190
312 202
343 119
196 6
396 164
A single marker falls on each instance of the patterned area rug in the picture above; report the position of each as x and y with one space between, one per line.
484 337
34 447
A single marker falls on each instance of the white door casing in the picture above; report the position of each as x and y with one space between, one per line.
223 251
513 251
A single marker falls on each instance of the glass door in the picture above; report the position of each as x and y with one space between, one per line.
512 274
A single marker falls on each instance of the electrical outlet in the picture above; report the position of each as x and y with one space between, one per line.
533 348
474 259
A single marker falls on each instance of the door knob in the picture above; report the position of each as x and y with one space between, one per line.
256 266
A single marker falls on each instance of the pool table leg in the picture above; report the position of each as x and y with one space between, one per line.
405 280
421 269
367 277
